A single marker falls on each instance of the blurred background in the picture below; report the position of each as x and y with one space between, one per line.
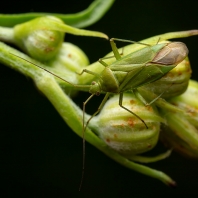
41 157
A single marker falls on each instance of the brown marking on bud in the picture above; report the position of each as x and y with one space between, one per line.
149 108
170 74
118 125
69 55
115 135
130 122
49 49
189 70
51 38
149 145
132 102
175 104
180 73
108 140
191 111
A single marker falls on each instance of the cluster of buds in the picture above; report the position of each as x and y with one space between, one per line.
122 131
174 121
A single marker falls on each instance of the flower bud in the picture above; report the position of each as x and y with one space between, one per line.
174 83
70 57
37 39
181 130
123 131
42 37
68 60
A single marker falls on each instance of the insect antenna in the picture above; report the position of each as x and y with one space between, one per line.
51 72
83 137
84 104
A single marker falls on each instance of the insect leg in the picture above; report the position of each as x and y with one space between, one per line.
99 108
158 40
115 49
128 41
152 101
141 98
157 97
85 126
105 64
89 72
83 137
102 62
120 103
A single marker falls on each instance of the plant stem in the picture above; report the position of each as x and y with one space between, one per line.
71 114
81 19
7 34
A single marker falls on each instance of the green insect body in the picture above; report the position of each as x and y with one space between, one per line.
142 67
136 69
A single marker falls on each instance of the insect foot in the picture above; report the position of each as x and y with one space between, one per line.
181 129
123 131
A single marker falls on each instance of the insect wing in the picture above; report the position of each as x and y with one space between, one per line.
133 71
147 74
137 58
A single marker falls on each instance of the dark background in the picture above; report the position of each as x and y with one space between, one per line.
41 157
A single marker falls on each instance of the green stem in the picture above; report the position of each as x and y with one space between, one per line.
7 34
18 64
145 159
81 19
71 114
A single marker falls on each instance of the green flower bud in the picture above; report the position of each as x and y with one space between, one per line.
70 57
181 129
37 39
174 83
123 131
68 60
42 37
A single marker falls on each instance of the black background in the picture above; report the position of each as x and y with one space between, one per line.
41 157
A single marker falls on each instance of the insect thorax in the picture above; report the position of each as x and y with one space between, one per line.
108 81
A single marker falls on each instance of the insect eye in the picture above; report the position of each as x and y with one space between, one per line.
95 88
97 93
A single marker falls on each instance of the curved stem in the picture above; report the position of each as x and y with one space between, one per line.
81 19
71 114
145 159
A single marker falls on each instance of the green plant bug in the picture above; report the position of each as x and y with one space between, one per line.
128 73
134 70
